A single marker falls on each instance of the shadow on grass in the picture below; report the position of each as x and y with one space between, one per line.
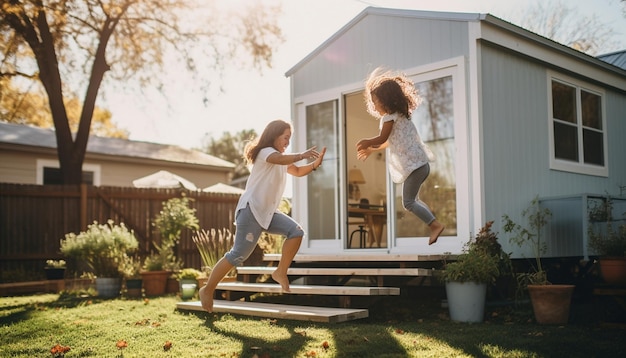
509 330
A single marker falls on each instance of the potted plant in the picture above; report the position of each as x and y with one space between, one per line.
213 245
105 249
188 282
551 303
608 241
159 266
466 279
132 276
55 269
154 275
175 216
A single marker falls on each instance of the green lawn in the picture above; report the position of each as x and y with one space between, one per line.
398 327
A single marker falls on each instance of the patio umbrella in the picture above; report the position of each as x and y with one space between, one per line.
164 180
223 188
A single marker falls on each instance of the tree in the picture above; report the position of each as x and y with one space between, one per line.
69 46
31 108
230 147
563 24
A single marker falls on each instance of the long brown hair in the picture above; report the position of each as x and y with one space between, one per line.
272 131
395 91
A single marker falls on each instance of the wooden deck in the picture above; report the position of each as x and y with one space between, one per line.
270 310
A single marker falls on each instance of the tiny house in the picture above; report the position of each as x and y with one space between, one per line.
510 115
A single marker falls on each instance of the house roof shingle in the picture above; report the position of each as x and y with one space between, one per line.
25 135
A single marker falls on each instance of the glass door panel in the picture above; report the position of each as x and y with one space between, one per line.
323 185
434 119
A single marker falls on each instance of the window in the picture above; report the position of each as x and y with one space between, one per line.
577 127
48 172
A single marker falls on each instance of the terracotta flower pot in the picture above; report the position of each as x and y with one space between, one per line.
154 282
613 270
551 303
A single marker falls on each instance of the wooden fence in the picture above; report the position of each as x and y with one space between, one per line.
34 218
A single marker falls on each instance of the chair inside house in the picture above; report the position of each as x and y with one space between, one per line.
359 220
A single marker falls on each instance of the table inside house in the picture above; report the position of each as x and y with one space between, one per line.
375 217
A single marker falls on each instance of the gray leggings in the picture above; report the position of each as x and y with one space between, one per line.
410 194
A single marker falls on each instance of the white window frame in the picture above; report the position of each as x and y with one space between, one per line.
579 167
47 163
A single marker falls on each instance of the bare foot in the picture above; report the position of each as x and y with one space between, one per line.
206 299
283 280
435 230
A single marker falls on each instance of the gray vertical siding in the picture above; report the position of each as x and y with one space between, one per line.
379 40
516 153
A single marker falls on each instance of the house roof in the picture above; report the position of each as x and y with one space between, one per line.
24 135
467 17
617 58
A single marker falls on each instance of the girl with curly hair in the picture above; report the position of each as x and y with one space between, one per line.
392 97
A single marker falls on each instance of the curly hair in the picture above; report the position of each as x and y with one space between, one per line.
272 131
395 91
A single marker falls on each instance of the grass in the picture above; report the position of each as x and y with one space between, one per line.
398 327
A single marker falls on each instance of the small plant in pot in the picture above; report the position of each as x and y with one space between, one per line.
132 276
551 303
188 281
55 269
105 249
608 241
466 279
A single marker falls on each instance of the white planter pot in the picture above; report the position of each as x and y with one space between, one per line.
466 301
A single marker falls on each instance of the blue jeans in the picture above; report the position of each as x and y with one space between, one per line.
248 231
410 194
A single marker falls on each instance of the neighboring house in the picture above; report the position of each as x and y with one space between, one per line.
28 155
509 114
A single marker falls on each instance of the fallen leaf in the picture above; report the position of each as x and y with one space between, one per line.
167 346
325 345
399 331
311 354
302 333
121 344
59 350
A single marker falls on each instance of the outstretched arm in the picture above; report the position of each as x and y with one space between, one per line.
288 159
300 171
366 146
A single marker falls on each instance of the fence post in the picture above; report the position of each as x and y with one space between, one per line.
83 206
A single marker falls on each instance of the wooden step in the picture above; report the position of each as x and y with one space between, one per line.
363 257
272 310
336 271
310 290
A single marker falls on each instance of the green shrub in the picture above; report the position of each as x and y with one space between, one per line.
104 247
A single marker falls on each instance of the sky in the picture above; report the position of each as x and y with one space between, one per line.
184 119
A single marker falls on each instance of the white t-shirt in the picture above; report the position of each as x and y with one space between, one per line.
265 188
405 151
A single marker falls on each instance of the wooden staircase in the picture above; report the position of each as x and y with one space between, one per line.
347 278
